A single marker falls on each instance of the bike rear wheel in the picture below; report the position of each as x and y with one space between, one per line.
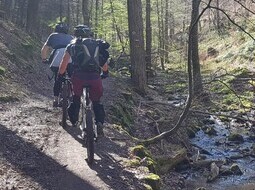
64 104
90 136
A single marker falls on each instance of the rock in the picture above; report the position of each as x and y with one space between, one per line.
232 170
168 162
208 122
236 137
210 131
214 173
153 180
236 170
191 133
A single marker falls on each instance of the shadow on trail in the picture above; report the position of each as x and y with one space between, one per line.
117 177
26 158
107 167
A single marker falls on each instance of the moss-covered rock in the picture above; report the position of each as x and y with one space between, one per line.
147 187
153 181
140 151
133 162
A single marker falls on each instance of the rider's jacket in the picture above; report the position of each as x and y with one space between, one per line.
58 42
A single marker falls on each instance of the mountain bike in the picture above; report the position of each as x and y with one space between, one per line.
88 126
66 94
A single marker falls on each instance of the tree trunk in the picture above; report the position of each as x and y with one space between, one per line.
162 48
160 40
60 10
85 11
148 34
137 53
96 18
197 79
115 26
32 15
166 35
21 13
217 16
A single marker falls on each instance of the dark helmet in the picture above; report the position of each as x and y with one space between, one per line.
82 31
61 28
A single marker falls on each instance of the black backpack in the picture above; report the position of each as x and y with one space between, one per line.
85 54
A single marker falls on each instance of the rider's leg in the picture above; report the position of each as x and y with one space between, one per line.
56 87
73 110
99 112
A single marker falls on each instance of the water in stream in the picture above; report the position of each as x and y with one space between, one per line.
219 148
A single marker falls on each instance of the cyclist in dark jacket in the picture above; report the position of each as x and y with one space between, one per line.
56 41
92 77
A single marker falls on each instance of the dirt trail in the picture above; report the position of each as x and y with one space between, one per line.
37 153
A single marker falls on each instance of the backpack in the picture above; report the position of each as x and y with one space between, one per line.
85 54
103 52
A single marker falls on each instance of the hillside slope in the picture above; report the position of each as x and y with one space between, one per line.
21 71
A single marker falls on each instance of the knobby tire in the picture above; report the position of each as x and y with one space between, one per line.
90 136
65 104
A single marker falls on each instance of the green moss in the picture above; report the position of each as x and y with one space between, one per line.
27 46
147 187
175 87
140 151
133 162
122 114
2 70
153 180
152 165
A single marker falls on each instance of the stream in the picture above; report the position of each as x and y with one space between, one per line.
220 148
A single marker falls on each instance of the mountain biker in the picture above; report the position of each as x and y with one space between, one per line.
57 41
92 75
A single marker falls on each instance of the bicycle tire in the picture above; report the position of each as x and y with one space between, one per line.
90 136
65 104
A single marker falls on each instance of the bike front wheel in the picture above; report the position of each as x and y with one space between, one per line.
65 104
90 136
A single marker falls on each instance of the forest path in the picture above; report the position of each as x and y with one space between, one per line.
37 153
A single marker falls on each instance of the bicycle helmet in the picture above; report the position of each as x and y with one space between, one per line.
82 31
61 28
